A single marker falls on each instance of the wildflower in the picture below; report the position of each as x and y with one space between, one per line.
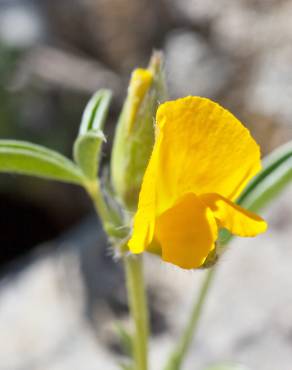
202 159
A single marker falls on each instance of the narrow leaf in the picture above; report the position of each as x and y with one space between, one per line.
276 163
86 151
29 159
95 112
88 143
269 187
270 181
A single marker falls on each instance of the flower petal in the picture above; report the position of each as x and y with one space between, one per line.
200 148
204 149
234 218
144 220
187 232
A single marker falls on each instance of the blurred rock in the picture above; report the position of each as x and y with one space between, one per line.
43 307
196 11
20 24
55 68
59 305
255 25
193 67
240 27
270 85
119 33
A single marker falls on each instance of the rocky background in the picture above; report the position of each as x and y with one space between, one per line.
60 291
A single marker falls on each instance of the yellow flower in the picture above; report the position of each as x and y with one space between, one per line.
202 159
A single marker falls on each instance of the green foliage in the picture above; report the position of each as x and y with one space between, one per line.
274 177
126 366
88 143
227 367
126 339
30 159
86 150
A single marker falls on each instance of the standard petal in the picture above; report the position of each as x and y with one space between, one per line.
234 218
200 148
204 149
186 233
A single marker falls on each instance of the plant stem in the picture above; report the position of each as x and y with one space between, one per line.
176 359
112 223
111 220
138 308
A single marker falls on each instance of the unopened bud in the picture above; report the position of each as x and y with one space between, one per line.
134 138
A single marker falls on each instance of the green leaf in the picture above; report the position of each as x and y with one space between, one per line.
30 159
86 151
269 187
227 367
275 175
126 366
95 112
88 143
125 338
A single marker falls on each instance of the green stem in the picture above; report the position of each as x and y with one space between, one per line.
177 356
112 224
111 220
138 308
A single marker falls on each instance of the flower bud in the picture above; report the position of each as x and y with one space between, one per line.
134 136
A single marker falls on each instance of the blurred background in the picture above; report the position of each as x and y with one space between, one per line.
60 291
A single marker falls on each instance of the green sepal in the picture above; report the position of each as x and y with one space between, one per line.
211 259
87 146
24 158
274 177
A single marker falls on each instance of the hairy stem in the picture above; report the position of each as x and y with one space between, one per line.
112 224
138 308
